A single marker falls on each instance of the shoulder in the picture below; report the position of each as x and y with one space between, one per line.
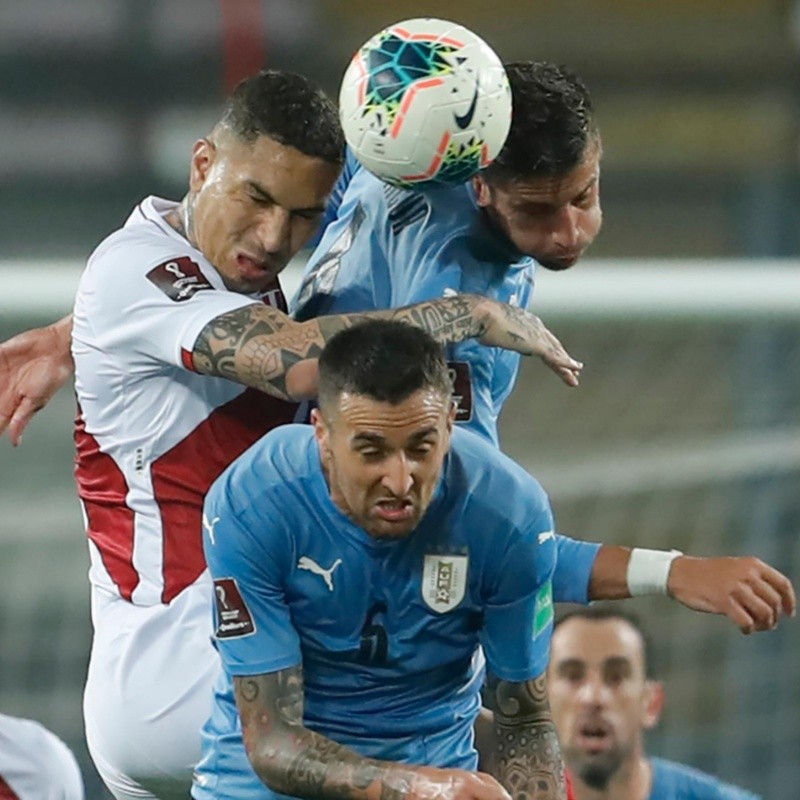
682 782
143 252
47 753
494 481
270 471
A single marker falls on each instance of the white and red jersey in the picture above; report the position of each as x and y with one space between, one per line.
35 764
151 434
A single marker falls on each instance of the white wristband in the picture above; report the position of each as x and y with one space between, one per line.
648 571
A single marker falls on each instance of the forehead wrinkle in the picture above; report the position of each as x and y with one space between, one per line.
420 409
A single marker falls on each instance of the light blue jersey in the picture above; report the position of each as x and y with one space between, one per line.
673 781
389 247
384 247
388 632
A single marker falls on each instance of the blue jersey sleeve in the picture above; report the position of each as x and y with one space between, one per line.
248 556
518 615
573 570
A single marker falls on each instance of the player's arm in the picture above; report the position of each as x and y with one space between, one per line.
752 594
526 754
34 365
291 759
262 347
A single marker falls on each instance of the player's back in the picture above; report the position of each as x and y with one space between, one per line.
152 434
391 247
672 781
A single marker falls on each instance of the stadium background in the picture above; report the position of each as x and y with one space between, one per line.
686 430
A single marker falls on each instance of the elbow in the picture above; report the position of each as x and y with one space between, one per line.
302 380
268 755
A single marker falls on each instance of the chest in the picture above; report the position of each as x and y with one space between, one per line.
385 604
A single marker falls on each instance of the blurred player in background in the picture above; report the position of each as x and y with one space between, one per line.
604 696
176 314
357 566
35 764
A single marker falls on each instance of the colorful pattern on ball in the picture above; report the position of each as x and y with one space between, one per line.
398 62
425 102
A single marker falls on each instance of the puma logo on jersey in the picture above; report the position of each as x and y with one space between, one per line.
545 535
209 526
326 574
448 292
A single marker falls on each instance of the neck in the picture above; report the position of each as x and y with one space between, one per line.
181 219
632 781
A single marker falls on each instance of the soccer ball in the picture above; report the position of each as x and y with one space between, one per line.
425 102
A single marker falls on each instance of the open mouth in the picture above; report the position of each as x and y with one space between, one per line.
394 509
595 736
252 266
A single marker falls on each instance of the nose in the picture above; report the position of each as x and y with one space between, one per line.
566 233
274 229
398 477
593 692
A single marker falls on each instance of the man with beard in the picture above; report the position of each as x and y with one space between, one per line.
604 697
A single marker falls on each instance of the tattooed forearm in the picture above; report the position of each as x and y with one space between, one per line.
527 755
257 345
294 760
449 321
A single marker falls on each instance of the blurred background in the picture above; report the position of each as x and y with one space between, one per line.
686 430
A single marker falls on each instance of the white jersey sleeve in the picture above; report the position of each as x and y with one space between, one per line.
35 764
149 297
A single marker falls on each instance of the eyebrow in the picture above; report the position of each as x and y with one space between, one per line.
377 439
532 203
265 195
567 663
617 661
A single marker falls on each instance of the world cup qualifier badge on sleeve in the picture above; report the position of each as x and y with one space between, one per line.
233 616
179 278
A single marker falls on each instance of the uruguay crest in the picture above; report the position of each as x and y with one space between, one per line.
444 580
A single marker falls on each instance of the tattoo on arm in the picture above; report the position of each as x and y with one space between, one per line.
527 755
254 345
293 760
257 345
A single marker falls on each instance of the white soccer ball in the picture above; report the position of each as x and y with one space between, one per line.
425 102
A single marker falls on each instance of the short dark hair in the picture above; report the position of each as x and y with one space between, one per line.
552 123
289 108
601 612
385 360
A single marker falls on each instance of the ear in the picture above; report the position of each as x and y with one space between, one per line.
483 194
204 153
321 432
653 704
451 416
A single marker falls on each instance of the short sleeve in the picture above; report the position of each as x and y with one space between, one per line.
573 570
518 615
248 557
141 301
